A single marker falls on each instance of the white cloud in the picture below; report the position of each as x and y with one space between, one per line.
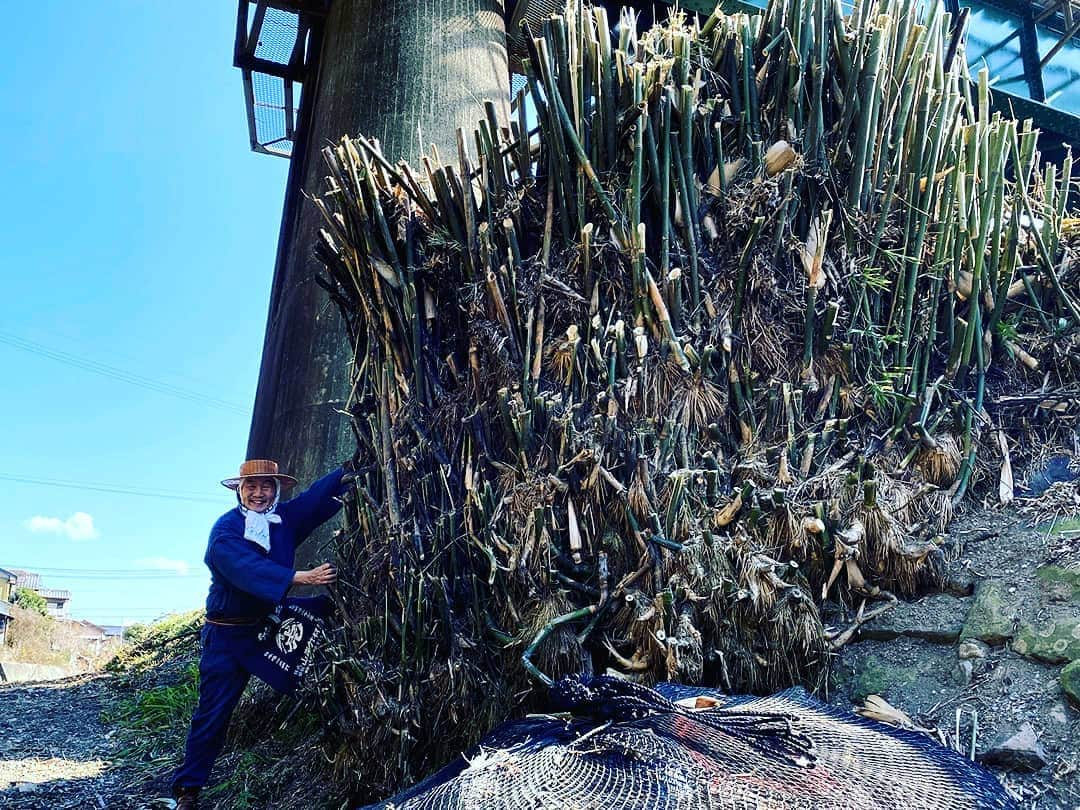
179 567
80 526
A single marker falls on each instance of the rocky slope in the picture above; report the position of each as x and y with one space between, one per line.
1000 649
1000 644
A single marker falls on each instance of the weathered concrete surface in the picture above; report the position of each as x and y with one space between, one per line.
938 618
405 72
14 672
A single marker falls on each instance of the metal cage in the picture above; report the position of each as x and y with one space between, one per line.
1031 47
277 44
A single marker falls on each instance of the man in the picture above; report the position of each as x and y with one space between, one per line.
250 556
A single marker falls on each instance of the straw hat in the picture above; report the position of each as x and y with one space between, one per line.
259 468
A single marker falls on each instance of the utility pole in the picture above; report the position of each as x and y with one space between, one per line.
405 72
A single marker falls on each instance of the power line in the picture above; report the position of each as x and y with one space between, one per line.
110 575
113 578
116 373
84 608
39 569
134 611
98 617
127 610
114 611
53 334
87 611
174 495
119 374
157 576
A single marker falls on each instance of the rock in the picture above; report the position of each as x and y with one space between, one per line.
1070 683
960 582
876 675
1020 751
972 649
938 618
1056 641
1059 713
27 787
1060 584
963 672
989 619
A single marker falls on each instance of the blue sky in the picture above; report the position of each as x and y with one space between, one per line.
137 231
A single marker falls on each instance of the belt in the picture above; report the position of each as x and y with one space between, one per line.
227 622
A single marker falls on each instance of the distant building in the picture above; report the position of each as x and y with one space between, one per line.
113 630
87 633
7 589
55 600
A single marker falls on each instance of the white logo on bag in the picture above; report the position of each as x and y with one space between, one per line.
289 636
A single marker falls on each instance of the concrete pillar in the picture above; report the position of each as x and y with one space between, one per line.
407 72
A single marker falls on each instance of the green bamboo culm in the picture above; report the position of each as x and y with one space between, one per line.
623 386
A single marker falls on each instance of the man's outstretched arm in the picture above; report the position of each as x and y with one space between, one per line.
315 505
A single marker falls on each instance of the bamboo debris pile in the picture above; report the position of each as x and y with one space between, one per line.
717 341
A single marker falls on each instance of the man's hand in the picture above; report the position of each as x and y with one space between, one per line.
325 574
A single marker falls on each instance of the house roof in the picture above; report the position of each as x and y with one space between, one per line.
26 579
8 575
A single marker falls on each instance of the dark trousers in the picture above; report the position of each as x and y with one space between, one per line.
222 679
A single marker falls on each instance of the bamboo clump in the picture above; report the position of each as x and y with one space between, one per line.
714 341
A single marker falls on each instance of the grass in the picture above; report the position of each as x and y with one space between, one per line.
272 758
244 789
1067 526
158 674
148 645
160 709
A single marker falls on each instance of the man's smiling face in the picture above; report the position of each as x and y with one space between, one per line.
257 494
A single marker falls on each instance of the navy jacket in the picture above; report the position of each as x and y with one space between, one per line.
245 581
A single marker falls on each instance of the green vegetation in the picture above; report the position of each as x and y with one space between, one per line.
161 708
1060 582
245 786
875 676
31 600
148 645
158 670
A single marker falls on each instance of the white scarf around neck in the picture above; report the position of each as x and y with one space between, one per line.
257 524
